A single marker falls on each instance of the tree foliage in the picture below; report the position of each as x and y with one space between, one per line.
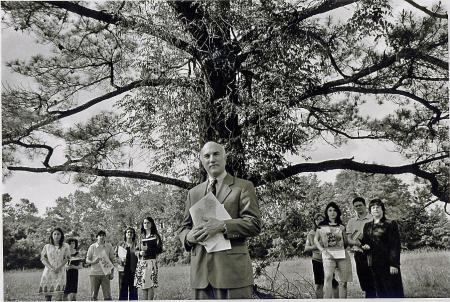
265 78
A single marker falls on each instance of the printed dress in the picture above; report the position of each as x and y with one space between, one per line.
146 275
54 283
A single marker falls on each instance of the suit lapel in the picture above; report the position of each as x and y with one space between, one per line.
225 190
203 188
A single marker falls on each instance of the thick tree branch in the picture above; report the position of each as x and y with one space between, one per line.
57 115
388 91
427 11
39 146
432 60
324 7
258 180
349 164
115 19
108 173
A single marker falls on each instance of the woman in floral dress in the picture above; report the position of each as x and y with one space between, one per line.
54 256
150 245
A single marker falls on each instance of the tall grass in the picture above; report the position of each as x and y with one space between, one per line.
425 274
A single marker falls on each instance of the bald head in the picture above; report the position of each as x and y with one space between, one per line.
213 158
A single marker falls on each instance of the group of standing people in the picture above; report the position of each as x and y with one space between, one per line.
371 237
135 259
227 273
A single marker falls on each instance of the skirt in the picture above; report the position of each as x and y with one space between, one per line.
52 283
71 281
146 275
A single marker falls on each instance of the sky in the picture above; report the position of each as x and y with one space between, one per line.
44 189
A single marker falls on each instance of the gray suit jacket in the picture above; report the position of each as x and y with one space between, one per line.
230 268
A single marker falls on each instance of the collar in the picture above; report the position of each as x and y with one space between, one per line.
219 178
97 245
367 217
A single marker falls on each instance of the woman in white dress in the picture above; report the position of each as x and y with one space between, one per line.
54 256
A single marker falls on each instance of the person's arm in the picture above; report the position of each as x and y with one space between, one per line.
365 240
112 259
44 259
186 225
248 223
310 245
322 249
66 257
348 240
90 256
394 246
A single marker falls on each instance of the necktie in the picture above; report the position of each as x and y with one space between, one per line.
212 186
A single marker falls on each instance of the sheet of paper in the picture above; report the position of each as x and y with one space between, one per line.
106 264
122 253
210 207
333 241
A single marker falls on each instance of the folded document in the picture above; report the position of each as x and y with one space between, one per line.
210 207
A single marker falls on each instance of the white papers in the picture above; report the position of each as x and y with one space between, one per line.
105 263
122 253
210 207
333 240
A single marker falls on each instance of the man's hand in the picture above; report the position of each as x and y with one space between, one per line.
193 234
393 270
206 230
366 247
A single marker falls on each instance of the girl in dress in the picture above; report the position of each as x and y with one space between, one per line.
150 244
331 239
54 256
317 265
72 268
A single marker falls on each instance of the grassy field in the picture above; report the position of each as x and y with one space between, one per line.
424 275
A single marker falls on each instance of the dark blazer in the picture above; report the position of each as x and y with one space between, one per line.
133 258
384 241
230 268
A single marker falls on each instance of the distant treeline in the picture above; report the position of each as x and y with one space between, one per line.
287 210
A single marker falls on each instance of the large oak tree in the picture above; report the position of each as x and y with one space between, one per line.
266 78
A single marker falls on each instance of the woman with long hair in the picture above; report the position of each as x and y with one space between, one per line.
54 256
316 260
150 245
126 252
381 242
331 241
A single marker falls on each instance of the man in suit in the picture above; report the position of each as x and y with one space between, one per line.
354 230
225 274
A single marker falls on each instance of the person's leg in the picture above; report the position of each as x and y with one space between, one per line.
318 278
150 293
73 296
329 267
132 288
335 286
342 290
95 286
364 275
123 286
48 298
344 275
233 293
106 288
202 293
319 291
143 292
